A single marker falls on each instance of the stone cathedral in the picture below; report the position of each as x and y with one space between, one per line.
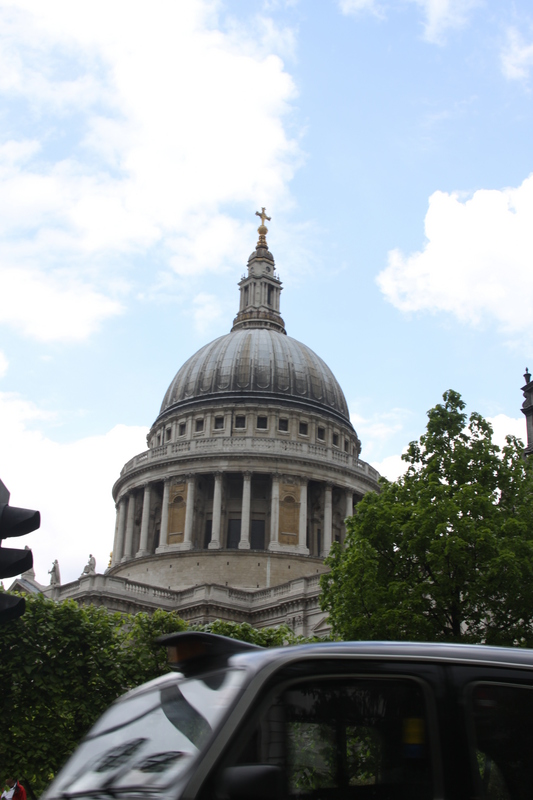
252 467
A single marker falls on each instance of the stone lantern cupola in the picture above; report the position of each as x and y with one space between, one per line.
260 289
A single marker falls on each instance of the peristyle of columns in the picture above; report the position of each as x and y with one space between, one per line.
124 530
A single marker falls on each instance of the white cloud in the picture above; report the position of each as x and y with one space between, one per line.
392 467
356 6
377 430
207 311
54 307
516 56
476 263
4 363
70 484
503 426
441 15
139 131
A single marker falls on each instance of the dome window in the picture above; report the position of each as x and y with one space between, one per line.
182 429
262 423
346 445
303 429
168 434
240 421
335 439
199 425
283 425
321 434
219 423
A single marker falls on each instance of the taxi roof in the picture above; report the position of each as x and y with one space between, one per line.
223 650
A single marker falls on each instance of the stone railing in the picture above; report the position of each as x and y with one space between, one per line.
253 445
111 586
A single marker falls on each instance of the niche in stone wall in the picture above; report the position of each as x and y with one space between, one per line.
289 514
176 512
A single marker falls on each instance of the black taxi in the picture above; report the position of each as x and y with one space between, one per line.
329 721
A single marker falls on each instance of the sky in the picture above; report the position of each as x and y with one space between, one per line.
391 144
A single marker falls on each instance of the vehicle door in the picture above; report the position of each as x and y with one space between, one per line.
497 706
337 729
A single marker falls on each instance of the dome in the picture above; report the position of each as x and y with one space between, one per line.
260 364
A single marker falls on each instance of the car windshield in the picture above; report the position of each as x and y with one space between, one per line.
147 739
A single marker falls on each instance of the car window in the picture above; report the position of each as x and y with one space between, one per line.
338 737
501 722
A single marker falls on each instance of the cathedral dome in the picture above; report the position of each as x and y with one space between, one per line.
260 364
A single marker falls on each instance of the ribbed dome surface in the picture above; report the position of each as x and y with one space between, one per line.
258 362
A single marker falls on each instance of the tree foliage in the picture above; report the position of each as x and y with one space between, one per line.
445 553
61 665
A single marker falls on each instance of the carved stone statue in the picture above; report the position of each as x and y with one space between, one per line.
90 567
55 575
30 573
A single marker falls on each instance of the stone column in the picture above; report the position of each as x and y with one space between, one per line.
244 542
214 544
143 544
274 515
118 547
328 520
302 529
128 544
349 503
163 533
189 514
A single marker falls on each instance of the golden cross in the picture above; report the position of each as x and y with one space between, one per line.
262 215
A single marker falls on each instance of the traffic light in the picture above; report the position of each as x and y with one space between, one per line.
14 522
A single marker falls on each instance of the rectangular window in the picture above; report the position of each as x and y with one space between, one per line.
182 429
346 445
336 439
283 425
262 423
257 534
240 421
503 739
168 434
234 534
199 425
343 737
219 423
158 439
321 434
303 429
208 532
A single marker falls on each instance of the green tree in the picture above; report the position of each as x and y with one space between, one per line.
445 553
61 666
145 659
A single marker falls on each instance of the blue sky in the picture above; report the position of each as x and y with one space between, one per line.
391 143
